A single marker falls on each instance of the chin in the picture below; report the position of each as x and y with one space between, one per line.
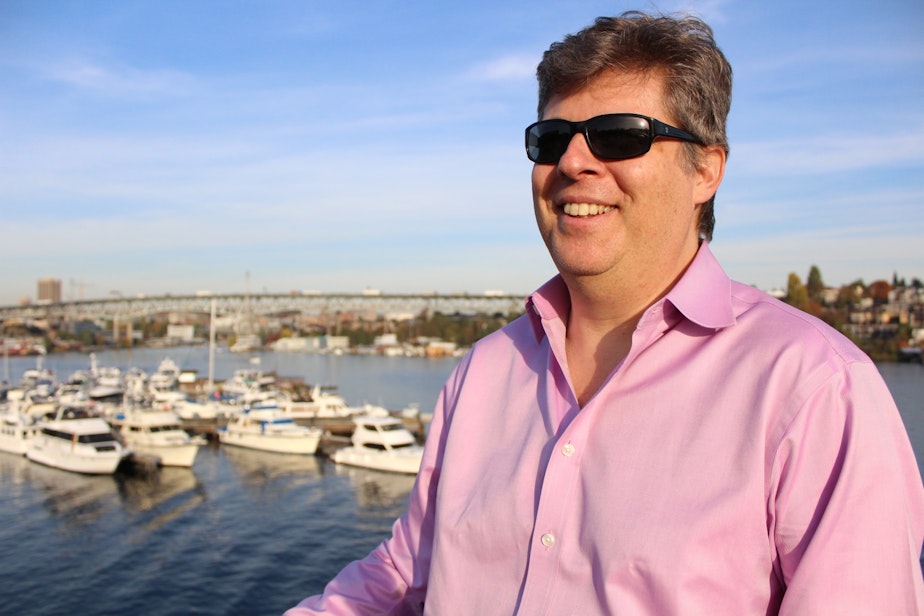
582 262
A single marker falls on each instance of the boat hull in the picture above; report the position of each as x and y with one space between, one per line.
16 437
80 446
86 463
158 434
394 462
14 445
305 445
169 455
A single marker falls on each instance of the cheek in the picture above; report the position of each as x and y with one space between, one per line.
541 180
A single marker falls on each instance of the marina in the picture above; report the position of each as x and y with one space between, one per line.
133 418
241 531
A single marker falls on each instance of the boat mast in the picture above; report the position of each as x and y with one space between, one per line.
212 348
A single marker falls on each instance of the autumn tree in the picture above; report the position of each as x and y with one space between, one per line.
796 293
879 291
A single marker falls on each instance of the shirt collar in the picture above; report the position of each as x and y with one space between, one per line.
550 301
702 295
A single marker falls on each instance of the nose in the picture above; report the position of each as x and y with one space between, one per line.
578 158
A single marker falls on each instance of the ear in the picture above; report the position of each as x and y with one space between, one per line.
710 173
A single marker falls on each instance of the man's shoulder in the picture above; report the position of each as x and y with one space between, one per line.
769 321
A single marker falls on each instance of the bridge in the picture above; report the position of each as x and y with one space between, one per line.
130 308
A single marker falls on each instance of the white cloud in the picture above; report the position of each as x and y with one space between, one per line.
116 80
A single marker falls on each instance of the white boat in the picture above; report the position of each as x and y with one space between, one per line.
36 376
381 443
267 429
250 382
106 383
163 385
17 430
24 403
85 445
158 433
72 396
321 402
190 409
166 377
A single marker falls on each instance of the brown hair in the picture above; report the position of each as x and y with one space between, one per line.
698 76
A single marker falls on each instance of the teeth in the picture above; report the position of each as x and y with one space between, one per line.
586 209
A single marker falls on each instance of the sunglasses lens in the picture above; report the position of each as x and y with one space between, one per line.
547 141
618 137
613 137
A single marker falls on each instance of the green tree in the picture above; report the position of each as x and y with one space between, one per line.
815 286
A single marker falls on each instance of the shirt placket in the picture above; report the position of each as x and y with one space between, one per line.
558 506
556 510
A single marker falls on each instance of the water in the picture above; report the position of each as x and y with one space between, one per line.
241 532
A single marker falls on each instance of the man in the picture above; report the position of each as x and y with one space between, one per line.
651 437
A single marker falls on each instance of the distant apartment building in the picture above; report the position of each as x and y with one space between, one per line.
181 333
49 291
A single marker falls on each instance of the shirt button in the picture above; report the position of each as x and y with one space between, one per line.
568 449
548 540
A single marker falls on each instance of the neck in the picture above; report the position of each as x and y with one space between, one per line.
598 338
605 311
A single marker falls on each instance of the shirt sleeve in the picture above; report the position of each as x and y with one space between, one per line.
392 579
846 510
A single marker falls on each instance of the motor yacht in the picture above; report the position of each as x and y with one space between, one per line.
268 429
81 445
159 434
381 443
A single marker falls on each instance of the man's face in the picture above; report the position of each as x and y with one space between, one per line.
645 219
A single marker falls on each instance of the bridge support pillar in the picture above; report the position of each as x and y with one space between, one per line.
117 327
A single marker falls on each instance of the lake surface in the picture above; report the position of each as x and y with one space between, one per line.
241 532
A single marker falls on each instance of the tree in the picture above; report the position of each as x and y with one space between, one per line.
796 293
879 291
851 293
815 285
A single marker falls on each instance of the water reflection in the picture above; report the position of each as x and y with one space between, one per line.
13 468
261 469
146 492
378 490
81 500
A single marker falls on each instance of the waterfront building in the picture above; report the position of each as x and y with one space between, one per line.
49 290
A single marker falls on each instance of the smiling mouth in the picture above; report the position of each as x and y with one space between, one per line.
586 209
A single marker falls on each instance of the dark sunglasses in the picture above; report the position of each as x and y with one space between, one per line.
614 136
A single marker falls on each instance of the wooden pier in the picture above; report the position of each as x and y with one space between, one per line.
337 430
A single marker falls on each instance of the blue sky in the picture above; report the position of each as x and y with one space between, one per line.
167 146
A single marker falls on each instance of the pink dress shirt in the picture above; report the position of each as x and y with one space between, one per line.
743 459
